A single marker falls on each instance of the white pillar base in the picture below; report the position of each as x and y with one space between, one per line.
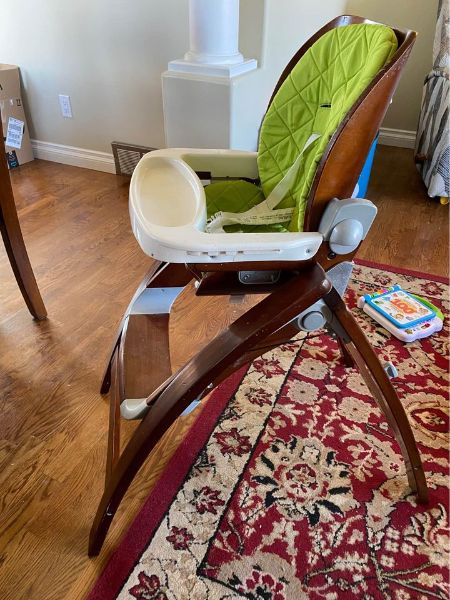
196 110
211 112
213 59
213 70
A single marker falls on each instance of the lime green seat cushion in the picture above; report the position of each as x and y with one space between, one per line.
236 196
315 97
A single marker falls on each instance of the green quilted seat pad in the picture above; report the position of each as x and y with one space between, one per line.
315 97
236 196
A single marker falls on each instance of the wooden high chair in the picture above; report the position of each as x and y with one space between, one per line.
302 264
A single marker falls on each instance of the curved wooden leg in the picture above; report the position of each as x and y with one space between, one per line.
346 355
23 272
14 244
191 381
106 379
113 452
159 275
140 363
381 387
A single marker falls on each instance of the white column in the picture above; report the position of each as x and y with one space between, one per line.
213 40
200 90
214 32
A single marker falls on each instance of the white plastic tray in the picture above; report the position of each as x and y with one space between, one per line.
168 211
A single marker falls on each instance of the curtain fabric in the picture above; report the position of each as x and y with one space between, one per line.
433 134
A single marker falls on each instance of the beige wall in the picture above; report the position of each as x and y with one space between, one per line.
108 56
419 15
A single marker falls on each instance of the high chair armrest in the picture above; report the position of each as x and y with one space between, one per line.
219 163
168 217
345 223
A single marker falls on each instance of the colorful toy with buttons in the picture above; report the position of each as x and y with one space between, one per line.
407 316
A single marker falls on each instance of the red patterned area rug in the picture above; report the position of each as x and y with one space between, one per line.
291 485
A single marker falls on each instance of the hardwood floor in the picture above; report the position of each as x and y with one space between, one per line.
411 230
53 423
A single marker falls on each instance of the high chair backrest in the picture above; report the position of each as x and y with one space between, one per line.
347 77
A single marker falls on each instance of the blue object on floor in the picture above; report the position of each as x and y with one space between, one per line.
363 181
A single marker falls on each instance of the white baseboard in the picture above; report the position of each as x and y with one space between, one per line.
397 137
102 161
77 157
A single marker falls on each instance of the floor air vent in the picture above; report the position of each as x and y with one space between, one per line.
127 156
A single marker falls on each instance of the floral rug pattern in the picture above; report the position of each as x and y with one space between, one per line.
301 492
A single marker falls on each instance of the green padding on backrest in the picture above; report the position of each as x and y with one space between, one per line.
315 98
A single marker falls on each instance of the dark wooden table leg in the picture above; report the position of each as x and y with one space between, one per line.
14 244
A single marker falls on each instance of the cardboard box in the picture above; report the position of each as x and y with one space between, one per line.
14 124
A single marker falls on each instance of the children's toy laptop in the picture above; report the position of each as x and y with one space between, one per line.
280 221
405 315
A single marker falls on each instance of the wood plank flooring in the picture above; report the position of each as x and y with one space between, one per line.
411 230
53 422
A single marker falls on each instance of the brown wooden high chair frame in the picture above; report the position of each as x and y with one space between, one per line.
269 323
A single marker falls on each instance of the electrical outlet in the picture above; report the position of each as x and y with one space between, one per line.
66 108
